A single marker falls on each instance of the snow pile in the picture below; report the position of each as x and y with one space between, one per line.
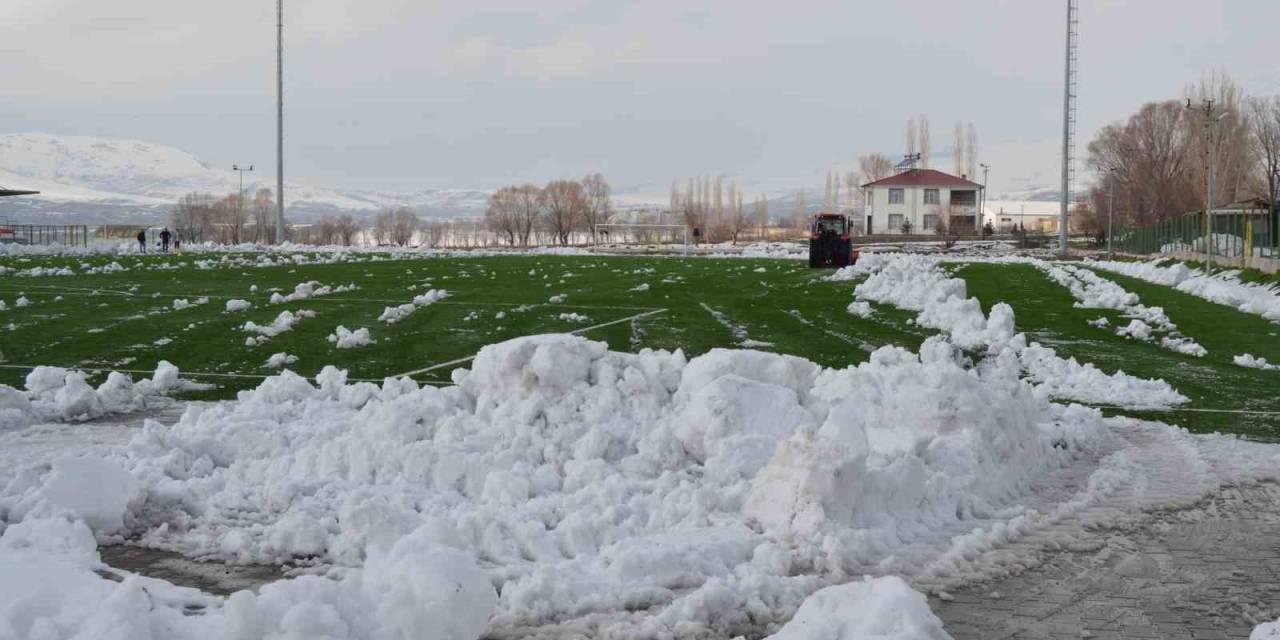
642 287
54 585
392 315
1248 360
310 289
237 305
860 308
1223 287
717 493
880 609
278 360
22 301
55 394
283 322
574 317
1092 291
344 338
917 283
1266 631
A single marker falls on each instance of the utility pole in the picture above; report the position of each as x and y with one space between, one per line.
279 121
1211 137
982 206
1068 122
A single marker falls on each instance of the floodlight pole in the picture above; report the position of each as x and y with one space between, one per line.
240 203
279 121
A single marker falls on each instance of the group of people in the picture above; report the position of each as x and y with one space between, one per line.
165 236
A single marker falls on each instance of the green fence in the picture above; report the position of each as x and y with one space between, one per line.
1235 234
65 234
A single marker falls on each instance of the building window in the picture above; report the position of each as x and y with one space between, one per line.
895 196
931 197
895 220
930 221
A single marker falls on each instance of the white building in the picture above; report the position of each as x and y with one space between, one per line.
1033 215
915 200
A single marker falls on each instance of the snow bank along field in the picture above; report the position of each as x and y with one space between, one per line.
434 446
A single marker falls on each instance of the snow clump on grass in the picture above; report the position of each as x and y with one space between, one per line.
860 308
22 301
1248 360
574 317
237 305
280 359
344 338
392 315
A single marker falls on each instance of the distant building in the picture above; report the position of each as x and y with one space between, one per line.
918 199
1007 216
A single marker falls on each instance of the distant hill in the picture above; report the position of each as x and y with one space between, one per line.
94 180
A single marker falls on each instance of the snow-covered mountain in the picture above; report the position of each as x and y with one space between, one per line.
95 180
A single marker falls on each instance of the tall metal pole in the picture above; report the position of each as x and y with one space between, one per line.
1213 152
279 121
982 206
1068 116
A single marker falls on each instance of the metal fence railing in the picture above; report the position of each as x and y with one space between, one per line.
64 234
1234 235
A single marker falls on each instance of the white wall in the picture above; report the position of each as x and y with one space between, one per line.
912 208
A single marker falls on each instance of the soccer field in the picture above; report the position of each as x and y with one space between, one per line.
125 313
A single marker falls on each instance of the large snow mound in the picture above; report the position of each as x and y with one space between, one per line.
1223 287
716 492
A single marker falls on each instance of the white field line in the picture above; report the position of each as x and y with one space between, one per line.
181 373
188 295
581 330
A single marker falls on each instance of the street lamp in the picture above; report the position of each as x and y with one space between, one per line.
1111 206
240 201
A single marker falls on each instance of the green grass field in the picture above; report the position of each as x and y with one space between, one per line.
126 320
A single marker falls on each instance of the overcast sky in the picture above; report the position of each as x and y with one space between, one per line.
405 94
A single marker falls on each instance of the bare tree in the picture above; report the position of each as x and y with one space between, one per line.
193 217
875 166
761 215
675 199
263 228
562 209
596 205
346 228
925 146
502 216
801 212
1264 127
528 210
404 222
957 152
382 226
971 151
851 185
434 233
911 136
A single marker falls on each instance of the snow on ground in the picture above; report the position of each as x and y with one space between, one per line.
1223 287
283 322
392 315
1248 360
280 359
871 609
918 283
237 305
1092 291
344 338
310 289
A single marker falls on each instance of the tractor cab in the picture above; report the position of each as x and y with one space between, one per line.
830 241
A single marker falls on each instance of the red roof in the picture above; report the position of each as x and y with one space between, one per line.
924 178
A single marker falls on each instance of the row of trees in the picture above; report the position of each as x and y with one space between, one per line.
231 219
520 214
1156 163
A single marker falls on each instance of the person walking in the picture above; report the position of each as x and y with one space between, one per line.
142 241
164 240
177 240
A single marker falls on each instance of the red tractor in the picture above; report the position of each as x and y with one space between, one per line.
830 244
